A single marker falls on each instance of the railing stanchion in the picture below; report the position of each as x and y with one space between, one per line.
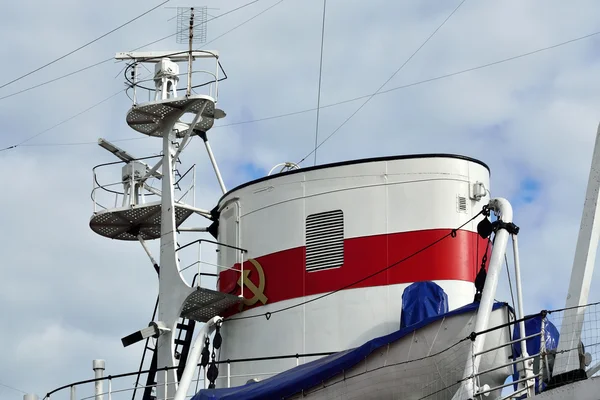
166 382
228 374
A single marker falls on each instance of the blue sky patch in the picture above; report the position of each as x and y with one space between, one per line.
529 190
244 173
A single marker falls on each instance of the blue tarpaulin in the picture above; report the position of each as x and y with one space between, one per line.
315 372
533 326
422 300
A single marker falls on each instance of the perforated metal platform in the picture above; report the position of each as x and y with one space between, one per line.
127 223
150 118
204 304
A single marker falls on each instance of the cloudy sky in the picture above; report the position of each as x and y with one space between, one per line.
68 295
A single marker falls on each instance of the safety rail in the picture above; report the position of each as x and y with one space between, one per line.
134 192
540 361
524 383
202 261
135 84
116 392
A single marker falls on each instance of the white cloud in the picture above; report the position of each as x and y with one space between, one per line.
67 292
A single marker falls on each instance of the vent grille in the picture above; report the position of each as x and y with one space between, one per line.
325 240
462 204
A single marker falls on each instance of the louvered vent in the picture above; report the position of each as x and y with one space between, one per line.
462 204
325 240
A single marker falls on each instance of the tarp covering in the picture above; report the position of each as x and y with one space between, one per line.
422 300
533 326
315 372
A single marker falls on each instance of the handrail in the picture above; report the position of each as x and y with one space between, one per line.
213 242
114 163
542 354
228 361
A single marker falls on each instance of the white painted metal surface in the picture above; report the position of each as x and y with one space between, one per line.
527 365
156 56
137 220
582 271
194 358
98 366
172 288
327 325
377 198
389 373
503 210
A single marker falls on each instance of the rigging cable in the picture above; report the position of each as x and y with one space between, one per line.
245 22
83 46
12 388
320 75
452 233
408 85
386 82
111 58
509 282
126 139
62 122
416 83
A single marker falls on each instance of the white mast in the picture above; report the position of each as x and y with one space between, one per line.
567 359
137 220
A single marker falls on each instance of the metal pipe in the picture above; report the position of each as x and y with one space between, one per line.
228 374
143 243
30 396
503 386
152 170
194 182
239 243
486 371
135 67
191 39
527 364
73 392
199 264
98 367
502 208
217 80
194 358
191 229
507 344
94 191
214 164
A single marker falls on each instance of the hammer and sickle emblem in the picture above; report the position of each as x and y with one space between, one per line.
258 292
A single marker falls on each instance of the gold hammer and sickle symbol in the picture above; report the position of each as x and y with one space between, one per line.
258 292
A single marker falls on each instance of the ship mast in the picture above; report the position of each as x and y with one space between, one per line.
135 219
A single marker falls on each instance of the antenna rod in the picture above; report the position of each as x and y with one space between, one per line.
189 78
320 75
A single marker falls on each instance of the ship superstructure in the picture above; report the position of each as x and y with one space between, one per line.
371 278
